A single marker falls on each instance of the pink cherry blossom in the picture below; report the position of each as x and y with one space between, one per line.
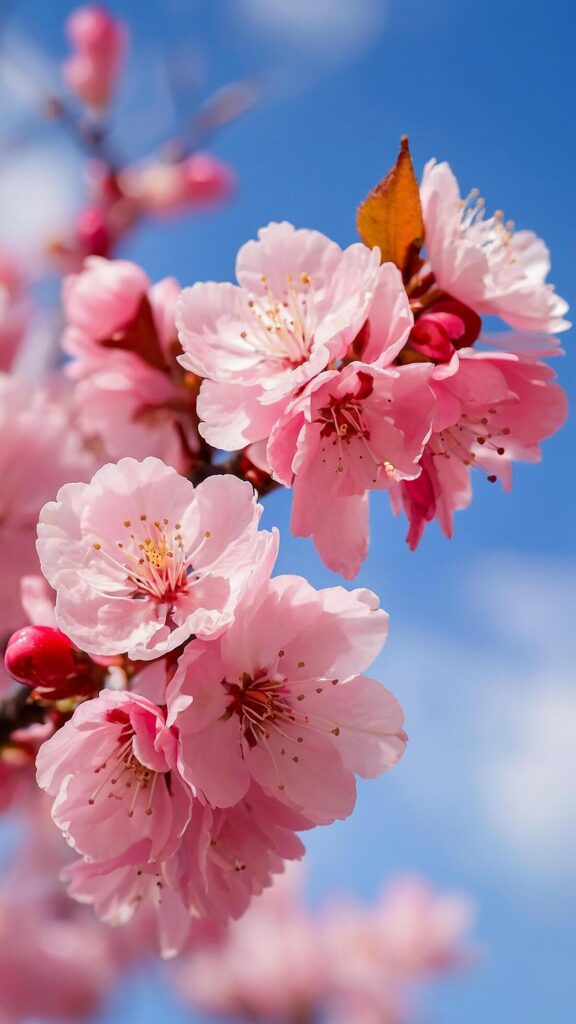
111 771
98 302
482 261
285 705
421 932
223 860
122 336
300 302
99 42
492 408
359 429
40 451
141 560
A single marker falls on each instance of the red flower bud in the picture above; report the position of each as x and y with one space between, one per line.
44 659
92 232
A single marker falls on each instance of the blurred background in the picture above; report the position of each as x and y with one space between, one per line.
480 651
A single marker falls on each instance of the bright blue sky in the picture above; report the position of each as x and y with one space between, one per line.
478 654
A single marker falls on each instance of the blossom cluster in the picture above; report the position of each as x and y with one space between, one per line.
184 788
352 375
188 712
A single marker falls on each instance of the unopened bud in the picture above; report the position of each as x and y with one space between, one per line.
99 42
92 233
45 659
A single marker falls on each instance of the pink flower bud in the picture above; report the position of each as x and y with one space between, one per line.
165 188
46 660
99 43
90 29
208 180
92 232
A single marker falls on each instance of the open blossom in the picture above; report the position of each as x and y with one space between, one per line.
285 705
39 452
223 860
141 560
359 429
300 302
482 261
111 770
121 334
492 408
99 42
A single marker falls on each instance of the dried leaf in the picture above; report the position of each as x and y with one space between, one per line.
391 215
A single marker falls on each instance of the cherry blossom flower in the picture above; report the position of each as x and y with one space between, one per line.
141 560
359 429
34 463
300 302
99 42
482 261
223 860
111 770
285 705
421 932
492 408
122 336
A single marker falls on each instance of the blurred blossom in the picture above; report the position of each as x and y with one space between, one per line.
13 310
31 422
284 963
99 43
168 188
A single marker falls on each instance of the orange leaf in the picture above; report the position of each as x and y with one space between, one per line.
391 215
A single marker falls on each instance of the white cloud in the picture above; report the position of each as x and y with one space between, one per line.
40 187
491 713
527 782
333 27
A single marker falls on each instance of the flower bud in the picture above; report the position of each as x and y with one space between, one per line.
92 232
99 43
46 660
166 188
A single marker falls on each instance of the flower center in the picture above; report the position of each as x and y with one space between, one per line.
283 328
154 558
459 440
342 421
123 772
492 233
268 707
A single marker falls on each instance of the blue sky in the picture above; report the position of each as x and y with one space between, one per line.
479 653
